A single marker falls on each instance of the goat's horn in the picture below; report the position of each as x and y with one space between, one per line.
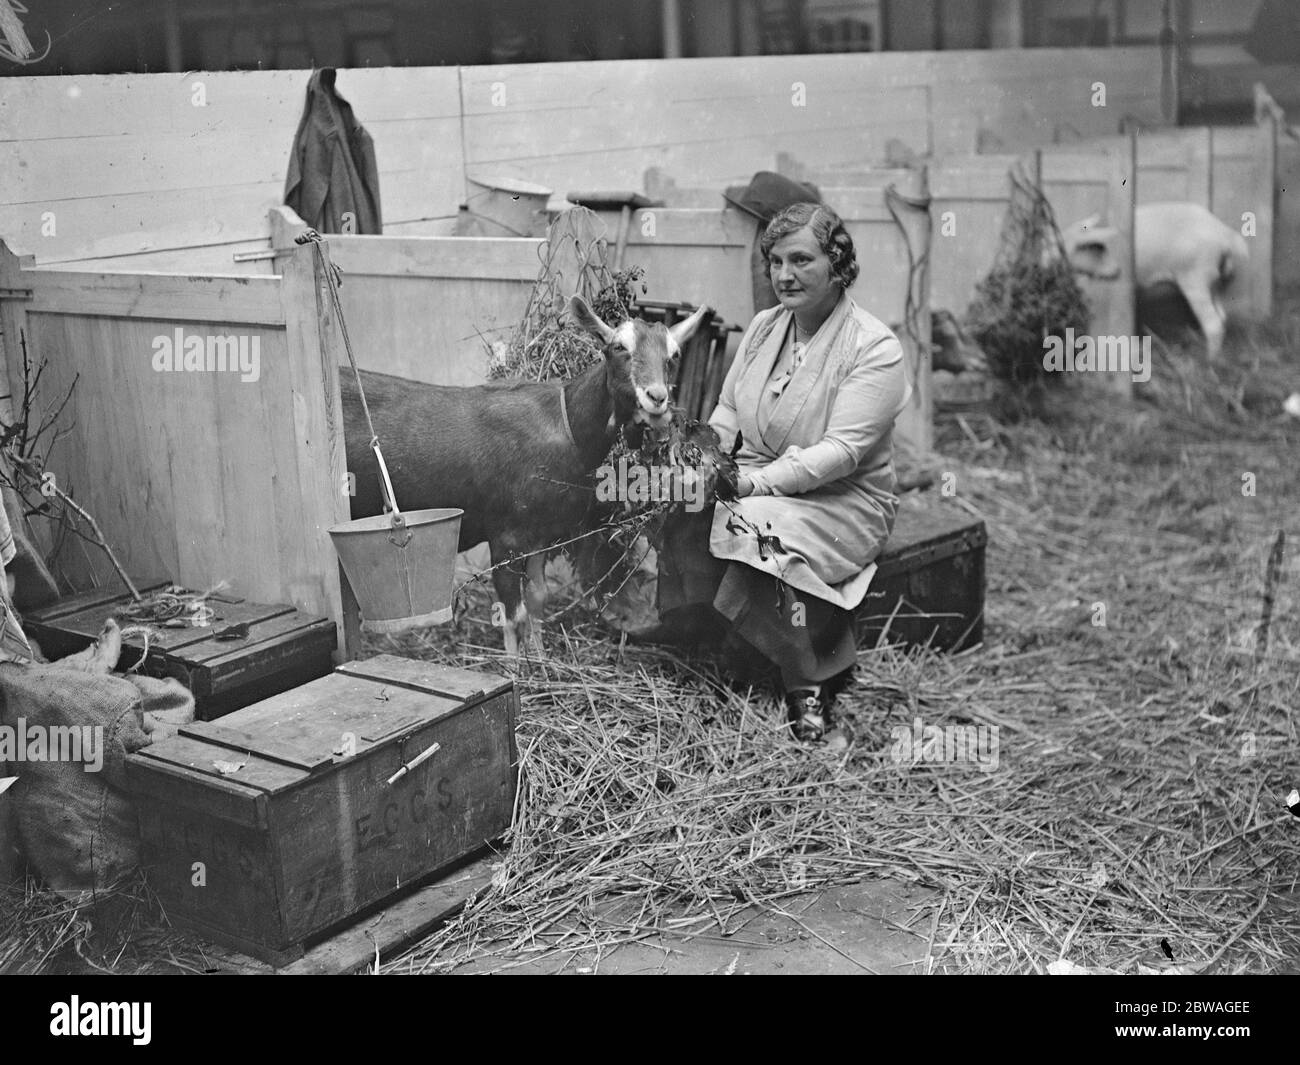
682 331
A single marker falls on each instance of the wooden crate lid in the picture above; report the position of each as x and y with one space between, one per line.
284 740
921 536
195 644
470 685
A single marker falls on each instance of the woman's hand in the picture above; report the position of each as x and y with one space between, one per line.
744 486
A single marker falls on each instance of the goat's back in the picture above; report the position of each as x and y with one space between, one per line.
499 452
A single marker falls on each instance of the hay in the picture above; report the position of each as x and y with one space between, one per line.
122 931
546 345
1030 293
1143 763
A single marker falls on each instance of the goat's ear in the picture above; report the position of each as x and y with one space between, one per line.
589 320
683 331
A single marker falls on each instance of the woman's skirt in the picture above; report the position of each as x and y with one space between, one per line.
808 639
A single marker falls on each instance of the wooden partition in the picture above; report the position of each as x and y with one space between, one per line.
1098 178
199 475
196 160
427 308
717 121
141 164
969 196
1286 268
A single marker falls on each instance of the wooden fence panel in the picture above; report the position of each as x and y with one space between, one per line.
199 475
1100 177
117 165
427 308
1243 168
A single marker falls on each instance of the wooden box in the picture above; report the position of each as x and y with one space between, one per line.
929 588
295 835
283 649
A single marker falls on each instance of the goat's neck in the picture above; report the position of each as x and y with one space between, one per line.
591 415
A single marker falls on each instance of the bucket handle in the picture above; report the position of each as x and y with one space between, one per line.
398 534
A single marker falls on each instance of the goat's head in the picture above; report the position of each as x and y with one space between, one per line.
640 358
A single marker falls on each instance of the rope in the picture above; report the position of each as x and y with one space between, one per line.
915 264
399 534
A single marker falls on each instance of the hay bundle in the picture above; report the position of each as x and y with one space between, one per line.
1030 293
683 463
546 345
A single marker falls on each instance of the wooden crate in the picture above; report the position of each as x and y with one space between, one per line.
304 835
929 588
283 649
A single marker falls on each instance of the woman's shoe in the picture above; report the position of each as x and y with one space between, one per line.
808 714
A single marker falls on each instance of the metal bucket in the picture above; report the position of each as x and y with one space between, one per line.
401 586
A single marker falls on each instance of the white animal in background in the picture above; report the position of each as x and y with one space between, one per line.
1179 243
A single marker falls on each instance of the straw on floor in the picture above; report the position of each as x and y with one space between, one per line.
1147 732
1145 743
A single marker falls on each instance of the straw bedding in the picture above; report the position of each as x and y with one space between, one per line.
1142 768
1143 763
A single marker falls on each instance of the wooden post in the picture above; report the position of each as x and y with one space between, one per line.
316 350
672 28
172 37
1170 56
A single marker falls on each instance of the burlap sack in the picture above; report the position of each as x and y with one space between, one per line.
76 827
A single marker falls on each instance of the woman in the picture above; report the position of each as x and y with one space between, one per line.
813 392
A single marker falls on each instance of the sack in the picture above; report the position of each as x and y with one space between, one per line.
73 731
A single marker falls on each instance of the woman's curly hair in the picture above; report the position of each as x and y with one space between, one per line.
827 229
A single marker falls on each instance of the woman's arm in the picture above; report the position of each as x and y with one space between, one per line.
862 412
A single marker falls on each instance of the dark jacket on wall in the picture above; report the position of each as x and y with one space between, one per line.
332 168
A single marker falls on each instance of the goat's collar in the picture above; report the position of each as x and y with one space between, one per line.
564 417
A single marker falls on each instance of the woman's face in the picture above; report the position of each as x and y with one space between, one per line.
801 273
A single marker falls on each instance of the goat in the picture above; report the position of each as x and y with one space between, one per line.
1179 243
515 456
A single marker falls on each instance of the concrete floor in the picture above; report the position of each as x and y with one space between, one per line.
841 930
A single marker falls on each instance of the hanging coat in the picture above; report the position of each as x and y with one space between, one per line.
820 457
332 168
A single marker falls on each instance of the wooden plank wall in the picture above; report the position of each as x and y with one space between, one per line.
196 160
717 121
1098 178
969 200
200 476
101 166
427 308
969 203
1286 269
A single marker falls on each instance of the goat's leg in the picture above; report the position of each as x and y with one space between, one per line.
1209 315
535 598
508 579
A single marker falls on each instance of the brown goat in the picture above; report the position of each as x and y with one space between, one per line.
515 456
